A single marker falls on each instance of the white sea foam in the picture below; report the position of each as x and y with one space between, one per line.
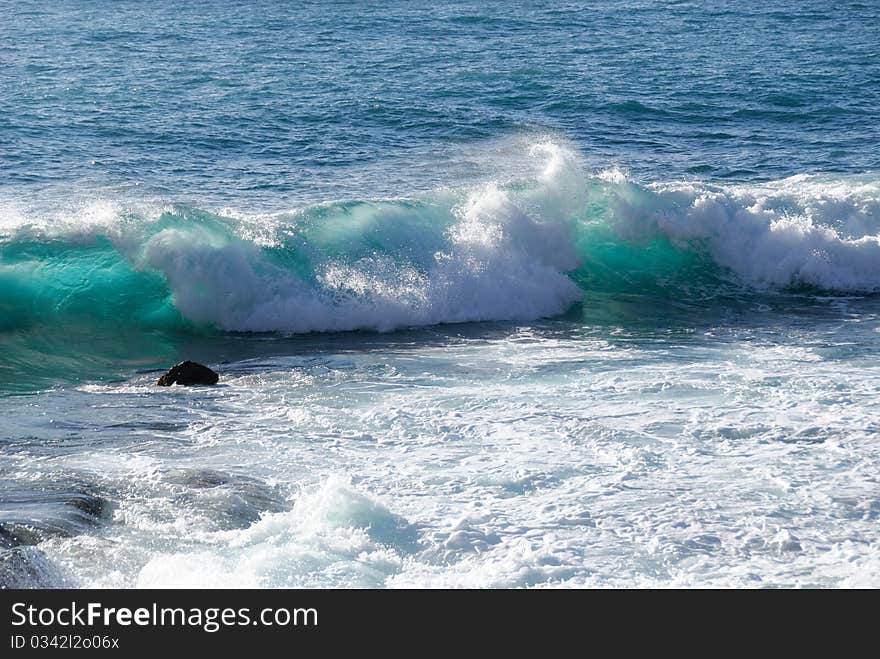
815 231
332 529
526 460
494 261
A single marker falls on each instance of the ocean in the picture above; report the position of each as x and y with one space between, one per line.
501 294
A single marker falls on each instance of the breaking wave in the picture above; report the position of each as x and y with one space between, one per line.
515 250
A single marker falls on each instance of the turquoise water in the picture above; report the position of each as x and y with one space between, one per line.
531 295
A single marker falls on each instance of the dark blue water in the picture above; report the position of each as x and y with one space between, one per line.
272 103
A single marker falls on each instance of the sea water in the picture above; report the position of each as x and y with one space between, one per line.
501 294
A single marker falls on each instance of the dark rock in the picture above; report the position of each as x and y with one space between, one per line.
90 507
7 539
187 373
28 567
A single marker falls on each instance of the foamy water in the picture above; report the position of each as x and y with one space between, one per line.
534 457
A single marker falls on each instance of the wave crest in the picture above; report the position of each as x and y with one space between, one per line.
515 251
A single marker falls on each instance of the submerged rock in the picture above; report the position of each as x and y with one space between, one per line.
231 501
28 567
187 373
34 513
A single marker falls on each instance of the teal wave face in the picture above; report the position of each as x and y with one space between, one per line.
56 282
83 297
78 312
